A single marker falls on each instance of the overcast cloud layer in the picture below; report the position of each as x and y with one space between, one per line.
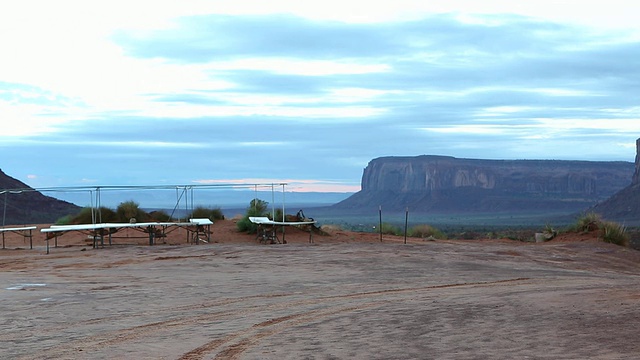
190 92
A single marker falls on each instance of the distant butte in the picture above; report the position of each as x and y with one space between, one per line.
443 184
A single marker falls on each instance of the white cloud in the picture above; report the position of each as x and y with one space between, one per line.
475 80
302 67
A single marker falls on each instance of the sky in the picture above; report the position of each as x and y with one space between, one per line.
308 92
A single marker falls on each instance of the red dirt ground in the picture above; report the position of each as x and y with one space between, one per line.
346 295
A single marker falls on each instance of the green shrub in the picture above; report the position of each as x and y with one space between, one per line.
85 216
65 220
614 233
588 222
609 231
426 231
159 215
256 208
245 225
201 212
130 210
389 229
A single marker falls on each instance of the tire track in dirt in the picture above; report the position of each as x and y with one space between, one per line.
236 343
243 340
132 333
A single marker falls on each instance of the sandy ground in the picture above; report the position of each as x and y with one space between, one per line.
346 295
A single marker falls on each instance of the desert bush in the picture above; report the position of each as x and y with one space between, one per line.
256 208
201 212
426 231
614 233
389 229
159 215
331 227
128 210
609 231
85 216
587 222
65 220
278 215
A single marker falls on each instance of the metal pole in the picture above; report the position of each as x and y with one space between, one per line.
93 213
406 221
4 212
283 216
273 205
99 204
150 228
380 221
186 202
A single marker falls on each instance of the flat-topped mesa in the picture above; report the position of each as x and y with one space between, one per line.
433 173
443 184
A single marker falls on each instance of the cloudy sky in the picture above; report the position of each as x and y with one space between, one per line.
308 92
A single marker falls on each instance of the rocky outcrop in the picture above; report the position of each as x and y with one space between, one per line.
21 204
624 206
447 184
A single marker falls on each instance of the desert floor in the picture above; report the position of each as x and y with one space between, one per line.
346 295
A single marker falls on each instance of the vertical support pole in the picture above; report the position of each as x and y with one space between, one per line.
30 240
284 219
93 211
186 203
406 222
150 229
99 204
255 197
47 240
4 212
380 221
283 241
55 242
164 234
3 239
273 206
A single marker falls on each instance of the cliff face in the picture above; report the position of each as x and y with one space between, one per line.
445 184
30 206
433 173
624 206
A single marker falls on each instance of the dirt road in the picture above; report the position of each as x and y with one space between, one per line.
326 300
